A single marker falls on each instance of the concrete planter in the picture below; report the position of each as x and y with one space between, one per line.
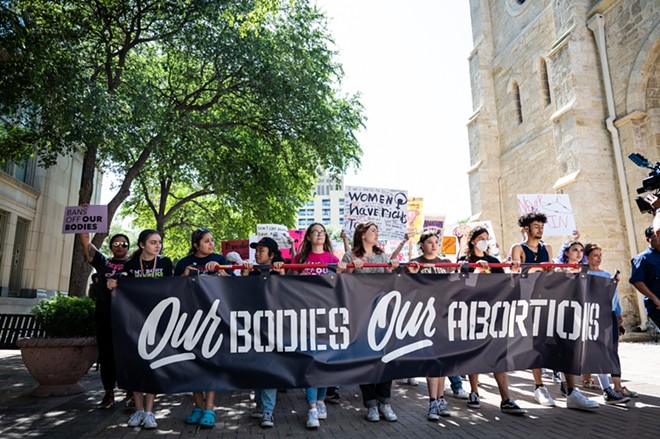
58 363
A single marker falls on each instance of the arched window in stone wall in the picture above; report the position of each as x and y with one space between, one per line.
514 91
545 84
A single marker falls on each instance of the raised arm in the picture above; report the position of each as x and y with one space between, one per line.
89 250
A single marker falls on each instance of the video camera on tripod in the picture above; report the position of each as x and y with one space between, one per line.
649 184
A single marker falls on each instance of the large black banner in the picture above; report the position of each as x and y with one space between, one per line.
203 333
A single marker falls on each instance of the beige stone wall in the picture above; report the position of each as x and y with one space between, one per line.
47 263
568 136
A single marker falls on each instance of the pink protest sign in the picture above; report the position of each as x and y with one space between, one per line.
90 219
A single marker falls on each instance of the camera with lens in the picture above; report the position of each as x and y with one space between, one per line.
649 184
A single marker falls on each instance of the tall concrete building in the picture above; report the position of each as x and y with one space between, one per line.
562 92
327 206
35 257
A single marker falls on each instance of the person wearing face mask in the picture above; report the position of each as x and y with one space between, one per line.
106 267
478 243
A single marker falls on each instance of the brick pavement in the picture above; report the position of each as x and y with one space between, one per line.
71 417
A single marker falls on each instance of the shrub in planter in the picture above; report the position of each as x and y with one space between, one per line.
66 316
58 361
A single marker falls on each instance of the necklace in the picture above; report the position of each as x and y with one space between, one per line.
153 269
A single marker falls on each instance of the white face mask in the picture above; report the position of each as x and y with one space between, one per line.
482 245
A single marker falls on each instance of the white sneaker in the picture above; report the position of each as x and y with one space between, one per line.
386 412
542 396
313 419
372 414
149 421
461 394
578 401
322 409
413 382
136 419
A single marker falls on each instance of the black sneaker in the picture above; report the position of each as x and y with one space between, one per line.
473 401
563 388
611 397
333 398
510 407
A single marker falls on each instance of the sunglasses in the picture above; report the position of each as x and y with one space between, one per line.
120 244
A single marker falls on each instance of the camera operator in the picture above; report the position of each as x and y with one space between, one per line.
646 266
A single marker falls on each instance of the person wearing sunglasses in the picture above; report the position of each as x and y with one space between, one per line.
106 267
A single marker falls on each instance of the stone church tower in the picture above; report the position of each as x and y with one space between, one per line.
562 92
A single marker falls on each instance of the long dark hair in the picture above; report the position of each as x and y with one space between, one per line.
142 239
195 239
306 246
358 248
473 234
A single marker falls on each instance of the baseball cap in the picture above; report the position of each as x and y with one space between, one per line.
266 242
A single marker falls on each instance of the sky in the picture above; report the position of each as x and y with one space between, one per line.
409 61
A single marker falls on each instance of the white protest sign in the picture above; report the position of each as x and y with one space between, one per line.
557 207
278 232
387 208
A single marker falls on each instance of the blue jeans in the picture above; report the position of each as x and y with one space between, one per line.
456 383
315 394
266 398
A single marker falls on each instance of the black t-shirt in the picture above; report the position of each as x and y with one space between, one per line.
431 270
160 267
201 263
487 258
106 268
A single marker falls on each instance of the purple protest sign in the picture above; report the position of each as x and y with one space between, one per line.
78 219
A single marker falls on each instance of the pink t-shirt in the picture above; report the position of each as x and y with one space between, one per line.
317 258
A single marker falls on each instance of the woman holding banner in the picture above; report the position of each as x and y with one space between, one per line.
429 244
376 397
620 394
201 259
316 248
478 243
146 262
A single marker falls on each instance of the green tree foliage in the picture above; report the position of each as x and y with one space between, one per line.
232 105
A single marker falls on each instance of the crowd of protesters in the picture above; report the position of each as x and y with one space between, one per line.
316 249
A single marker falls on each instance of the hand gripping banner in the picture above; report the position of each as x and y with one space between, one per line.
201 333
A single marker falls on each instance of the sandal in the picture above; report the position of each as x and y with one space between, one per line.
589 383
195 416
208 419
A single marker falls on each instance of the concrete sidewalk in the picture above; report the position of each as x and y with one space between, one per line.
22 415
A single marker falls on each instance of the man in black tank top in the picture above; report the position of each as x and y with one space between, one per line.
533 250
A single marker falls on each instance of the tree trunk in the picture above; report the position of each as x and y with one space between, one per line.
80 269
